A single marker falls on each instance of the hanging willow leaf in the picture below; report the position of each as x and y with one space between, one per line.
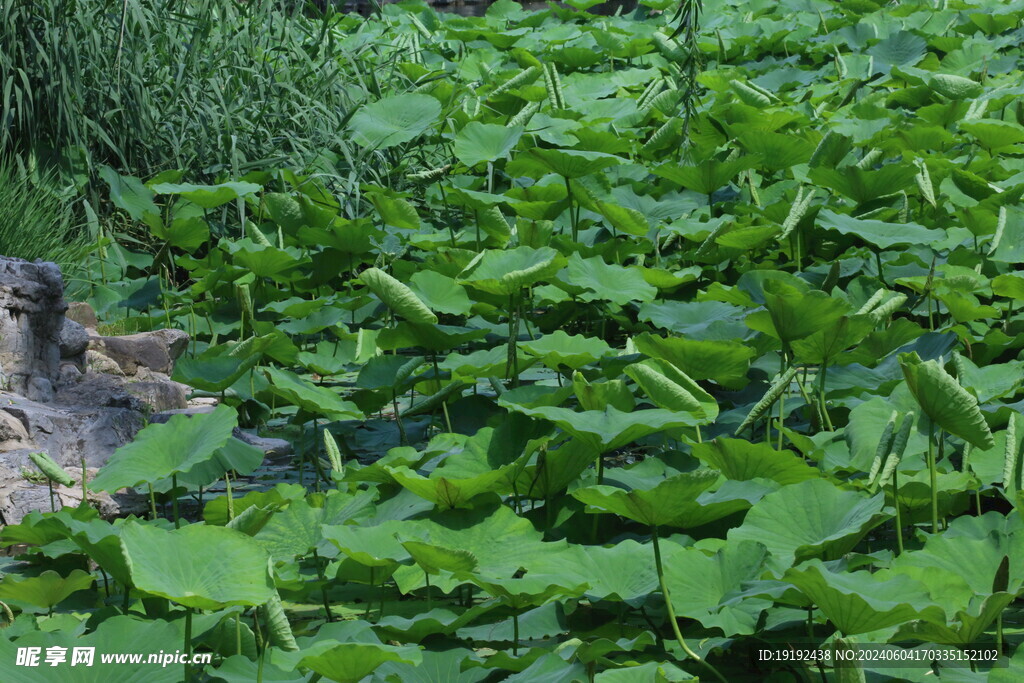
397 297
51 469
774 391
944 401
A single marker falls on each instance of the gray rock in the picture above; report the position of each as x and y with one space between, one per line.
39 389
74 340
159 395
70 373
165 415
98 391
272 448
156 350
13 433
32 303
70 432
19 496
82 313
98 363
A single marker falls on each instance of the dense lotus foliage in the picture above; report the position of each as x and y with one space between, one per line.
602 378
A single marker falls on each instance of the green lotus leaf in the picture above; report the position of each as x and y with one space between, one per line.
501 541
478 142
705 587
648 671
162 450
654 507
559 348
387 372
430 337
448 491
612 572
880 234
393 120
199 566
568 163
114 634
705 177
993 134
346 662
217 373
101 541
395 212
208 196
603 282
554 469
821 347
130 194
46 590
944 401
728 498
865 185
862 601
899 48
505 272
530 590
696 319
266 261
725 362
741 460
961 566
347 236
608 429
428 623
436 666
792 314
298 529
310 397
813 518
440 292
594 396
434 558
234 456
372 546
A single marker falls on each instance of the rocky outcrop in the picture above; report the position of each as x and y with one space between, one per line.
78 395
31 316
155 351
59 396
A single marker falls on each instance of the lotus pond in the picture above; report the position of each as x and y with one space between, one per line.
623 348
